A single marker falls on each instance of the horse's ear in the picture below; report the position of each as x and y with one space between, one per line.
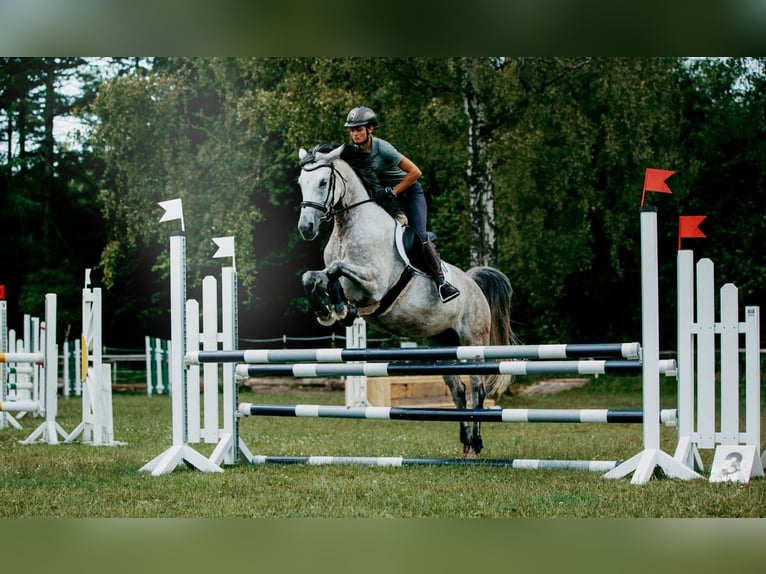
302 153
334 154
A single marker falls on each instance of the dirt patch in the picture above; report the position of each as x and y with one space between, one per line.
546 387
275 384
549 387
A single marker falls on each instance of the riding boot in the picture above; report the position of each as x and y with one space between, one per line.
432 261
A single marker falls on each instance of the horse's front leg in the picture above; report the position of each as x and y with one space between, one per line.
365 283
457 389
316 285
478 395
343 311
326 297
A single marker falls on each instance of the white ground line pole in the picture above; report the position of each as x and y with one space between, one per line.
180 451
644 463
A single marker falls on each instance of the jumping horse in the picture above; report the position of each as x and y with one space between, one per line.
367 275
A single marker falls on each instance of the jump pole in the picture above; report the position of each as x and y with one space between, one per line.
605 416
644 463
180 451
515 463
628 351
403 368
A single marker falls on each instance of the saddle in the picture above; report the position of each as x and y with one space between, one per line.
411 249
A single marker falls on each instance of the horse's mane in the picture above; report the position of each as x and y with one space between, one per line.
359 161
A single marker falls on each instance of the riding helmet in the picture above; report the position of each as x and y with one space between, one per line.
361 116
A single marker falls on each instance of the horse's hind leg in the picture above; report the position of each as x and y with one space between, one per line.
477 402
457 388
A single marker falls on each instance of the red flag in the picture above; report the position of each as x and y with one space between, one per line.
2 292
654 180
689 226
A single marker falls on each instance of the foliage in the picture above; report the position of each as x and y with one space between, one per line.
49 215
566 141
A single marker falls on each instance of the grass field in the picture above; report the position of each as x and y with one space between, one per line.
83 481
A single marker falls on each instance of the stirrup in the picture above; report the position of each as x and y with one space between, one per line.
447 292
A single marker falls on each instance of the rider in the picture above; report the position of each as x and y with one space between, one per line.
399 176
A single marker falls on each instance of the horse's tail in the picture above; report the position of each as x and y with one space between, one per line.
498 291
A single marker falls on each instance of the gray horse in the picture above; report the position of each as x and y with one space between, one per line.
368 273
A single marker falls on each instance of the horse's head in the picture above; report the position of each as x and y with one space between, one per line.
317 181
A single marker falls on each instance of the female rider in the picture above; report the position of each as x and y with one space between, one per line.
399 177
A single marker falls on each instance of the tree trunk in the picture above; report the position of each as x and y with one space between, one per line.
47 149
481 190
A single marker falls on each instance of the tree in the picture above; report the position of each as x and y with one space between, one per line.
48 211
541 157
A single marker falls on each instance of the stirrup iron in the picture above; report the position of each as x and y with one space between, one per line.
447 292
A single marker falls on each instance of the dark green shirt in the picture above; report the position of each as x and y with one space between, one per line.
385 160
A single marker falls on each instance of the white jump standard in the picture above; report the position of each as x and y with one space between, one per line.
507 360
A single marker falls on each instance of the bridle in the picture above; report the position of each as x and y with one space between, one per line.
328 208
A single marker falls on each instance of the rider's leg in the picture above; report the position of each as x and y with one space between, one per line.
417 213
447 291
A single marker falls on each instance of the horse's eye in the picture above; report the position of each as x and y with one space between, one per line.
323 183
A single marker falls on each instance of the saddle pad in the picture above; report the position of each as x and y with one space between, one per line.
399 230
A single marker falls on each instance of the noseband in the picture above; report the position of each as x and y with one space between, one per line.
327 208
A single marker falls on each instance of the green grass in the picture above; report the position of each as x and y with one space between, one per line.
77 480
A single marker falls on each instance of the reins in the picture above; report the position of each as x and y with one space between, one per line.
331 211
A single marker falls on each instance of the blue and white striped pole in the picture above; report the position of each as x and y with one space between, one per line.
403 368
459 353
606 416
515 463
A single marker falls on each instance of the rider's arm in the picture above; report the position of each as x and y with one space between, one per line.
412 174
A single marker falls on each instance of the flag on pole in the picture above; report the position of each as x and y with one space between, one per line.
173 210
654 180
2 292
225 248
689 226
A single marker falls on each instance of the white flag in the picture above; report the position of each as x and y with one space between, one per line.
225 246
173 210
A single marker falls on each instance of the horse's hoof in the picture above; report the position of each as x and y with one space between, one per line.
477 444
327 321
350 316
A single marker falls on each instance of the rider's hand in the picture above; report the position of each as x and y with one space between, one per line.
388 192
